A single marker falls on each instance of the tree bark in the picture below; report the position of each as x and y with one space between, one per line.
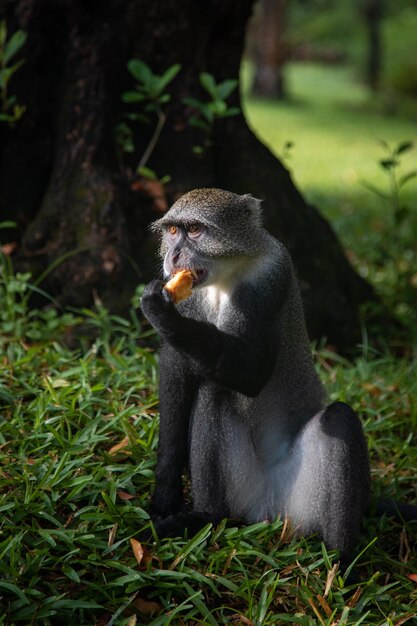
60 178
270 50
373 12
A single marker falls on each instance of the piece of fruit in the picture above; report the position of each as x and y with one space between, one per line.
180 285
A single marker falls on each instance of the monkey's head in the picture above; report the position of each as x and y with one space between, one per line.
208 231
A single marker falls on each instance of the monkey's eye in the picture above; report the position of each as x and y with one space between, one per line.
194 230
173 230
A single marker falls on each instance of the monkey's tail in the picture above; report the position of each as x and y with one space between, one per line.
399 510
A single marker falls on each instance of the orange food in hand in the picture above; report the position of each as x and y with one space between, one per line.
179 287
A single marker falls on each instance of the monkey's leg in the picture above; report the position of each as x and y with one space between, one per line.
177 390
331 490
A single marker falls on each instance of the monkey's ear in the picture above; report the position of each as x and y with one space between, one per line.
255 209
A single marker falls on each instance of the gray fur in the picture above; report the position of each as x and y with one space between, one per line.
233 221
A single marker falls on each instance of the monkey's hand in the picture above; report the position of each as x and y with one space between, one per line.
157 305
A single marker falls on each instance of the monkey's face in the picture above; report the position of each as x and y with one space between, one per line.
179 250
200 249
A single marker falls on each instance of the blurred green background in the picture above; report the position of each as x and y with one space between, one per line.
336 127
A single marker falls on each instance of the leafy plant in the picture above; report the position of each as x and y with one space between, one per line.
18 321
391 164
215 108
394 251
150 93
10 111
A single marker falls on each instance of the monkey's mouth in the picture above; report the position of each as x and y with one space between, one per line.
199 274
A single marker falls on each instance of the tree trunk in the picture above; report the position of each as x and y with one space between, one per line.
270 50
373 12
79 211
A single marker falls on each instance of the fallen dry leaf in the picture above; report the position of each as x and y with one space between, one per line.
123 495
325 605
112 535
331 574
412 577
147 607
8 248
119 446
142 555
355 598
137 549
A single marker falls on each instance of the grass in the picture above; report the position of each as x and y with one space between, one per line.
77 451
78 436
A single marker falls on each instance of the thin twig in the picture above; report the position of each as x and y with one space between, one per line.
154 139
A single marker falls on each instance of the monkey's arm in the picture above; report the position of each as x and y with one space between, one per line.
176 388
242 361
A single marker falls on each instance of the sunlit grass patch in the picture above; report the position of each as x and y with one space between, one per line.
335 133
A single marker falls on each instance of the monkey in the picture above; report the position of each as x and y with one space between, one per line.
242 408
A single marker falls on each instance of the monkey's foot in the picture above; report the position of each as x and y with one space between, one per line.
181 524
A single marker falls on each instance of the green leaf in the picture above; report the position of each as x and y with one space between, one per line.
18 111
12 47
14 589
6 507
76 604
168 76
8 224
5 396
197 122
5 75
231 111
218 108
191 545
146 172
404 179
133 96
375 190
71 573
4 117
151 106
207 81
227 87
164 98
138 117
388 164
141 72
404 146
7 72
3 33
200 605
192 102
207 112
